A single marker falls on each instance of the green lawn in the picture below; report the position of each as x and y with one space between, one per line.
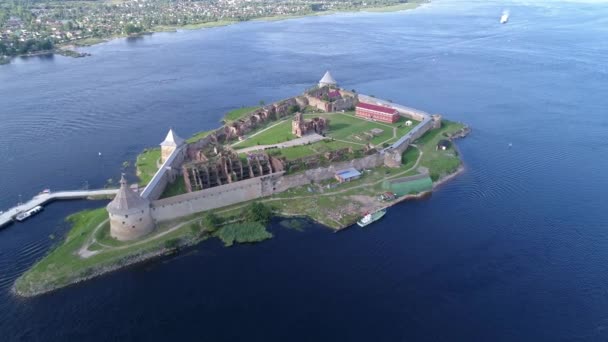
346 126
350 128
281 132
342 126
236 114
146 165
296 152
409 157
440 163
402 129
176 188
62 265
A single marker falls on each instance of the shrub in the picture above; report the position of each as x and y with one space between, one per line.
257 212
172 243
212 221
243 233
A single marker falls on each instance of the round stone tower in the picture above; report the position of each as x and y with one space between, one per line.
130 216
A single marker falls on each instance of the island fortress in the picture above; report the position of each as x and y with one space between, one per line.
216 171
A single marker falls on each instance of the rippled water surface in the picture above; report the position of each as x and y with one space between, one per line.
516 248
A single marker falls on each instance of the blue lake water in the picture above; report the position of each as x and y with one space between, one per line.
516 248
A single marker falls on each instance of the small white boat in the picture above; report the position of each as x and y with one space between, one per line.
504 18
371 218
26 214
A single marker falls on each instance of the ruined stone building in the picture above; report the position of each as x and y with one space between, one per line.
222 165
301 127
328 97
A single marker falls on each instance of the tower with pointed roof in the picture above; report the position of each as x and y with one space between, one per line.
170 144
130 216
328 80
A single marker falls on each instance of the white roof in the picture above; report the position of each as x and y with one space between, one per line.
172 139
327 79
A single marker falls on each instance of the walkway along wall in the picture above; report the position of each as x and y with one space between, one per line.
165 174
250 189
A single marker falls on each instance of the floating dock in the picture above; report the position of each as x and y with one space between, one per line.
8 216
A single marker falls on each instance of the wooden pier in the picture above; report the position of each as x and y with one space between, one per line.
40 199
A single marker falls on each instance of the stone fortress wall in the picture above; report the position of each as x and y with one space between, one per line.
212 198
250 189
393 153
167 172
262 186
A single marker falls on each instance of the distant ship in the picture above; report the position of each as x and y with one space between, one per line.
504 18
371 218
25 215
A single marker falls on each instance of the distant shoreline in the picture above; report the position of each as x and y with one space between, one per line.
67 49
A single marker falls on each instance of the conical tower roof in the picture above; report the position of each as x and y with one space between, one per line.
327 80
126 200
172 139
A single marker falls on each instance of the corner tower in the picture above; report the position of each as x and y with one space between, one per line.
327 80
130 216
170 144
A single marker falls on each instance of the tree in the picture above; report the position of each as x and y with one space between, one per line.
132 29
257 212
212 221
172 243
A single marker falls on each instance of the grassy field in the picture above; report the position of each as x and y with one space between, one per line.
63 266
176 188
409 157
402 129
60 263
348 127
440 163
278 133
296 152
345 127
239 113
146 165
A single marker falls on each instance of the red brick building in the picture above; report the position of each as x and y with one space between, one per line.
377 113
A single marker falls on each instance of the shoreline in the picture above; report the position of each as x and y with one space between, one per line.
192 241
69 47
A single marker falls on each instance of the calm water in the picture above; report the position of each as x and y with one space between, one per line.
516 248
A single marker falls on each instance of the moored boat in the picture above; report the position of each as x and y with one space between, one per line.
371 218
26 214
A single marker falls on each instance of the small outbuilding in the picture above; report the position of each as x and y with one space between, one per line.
443 145
408 123
347 175
376 131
